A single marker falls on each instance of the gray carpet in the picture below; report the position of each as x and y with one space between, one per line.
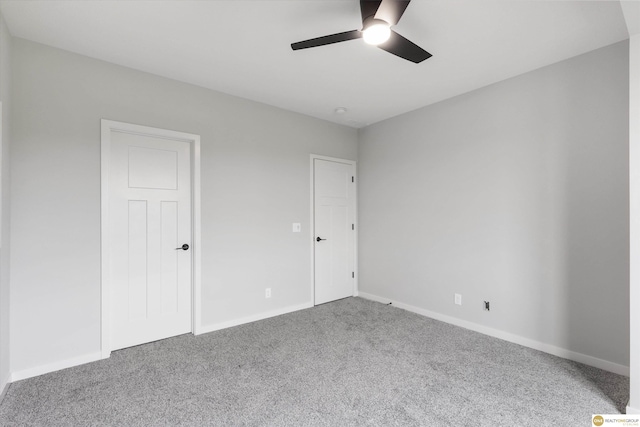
348 363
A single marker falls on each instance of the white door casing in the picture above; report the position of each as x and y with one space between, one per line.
334 218
150 197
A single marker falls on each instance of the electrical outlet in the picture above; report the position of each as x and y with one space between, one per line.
267 293
457 299
486 305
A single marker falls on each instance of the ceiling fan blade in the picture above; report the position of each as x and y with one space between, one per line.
368 8
404 48
324 40
391 10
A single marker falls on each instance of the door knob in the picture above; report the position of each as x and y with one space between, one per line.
318 239
183 247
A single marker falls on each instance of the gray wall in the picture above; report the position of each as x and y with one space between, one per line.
255 183
516 193
5 86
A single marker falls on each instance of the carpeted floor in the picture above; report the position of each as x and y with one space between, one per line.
348 363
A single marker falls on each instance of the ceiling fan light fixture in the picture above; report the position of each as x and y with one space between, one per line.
376 32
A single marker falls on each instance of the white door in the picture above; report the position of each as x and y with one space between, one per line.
334 223
149 222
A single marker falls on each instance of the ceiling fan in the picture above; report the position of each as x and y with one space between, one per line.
377 18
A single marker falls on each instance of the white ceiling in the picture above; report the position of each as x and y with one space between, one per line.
243 47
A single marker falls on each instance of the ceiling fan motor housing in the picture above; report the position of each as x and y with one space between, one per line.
368 22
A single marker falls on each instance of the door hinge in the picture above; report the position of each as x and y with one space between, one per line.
353 275
353 226
353 179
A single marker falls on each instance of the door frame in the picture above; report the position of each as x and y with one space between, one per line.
312 231
106 127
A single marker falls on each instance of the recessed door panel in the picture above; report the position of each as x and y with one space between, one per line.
137 259
153 168
170 256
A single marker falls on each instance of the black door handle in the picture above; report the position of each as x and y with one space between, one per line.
183 247
318 239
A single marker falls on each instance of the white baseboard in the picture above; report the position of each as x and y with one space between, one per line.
631 410
254 318
517 339
4 388
80 360
56 366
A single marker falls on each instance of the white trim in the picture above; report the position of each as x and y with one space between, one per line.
105 301
106 127
517 339
254 318
196 238
312 231
5 389
631 410
356 287
56 366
